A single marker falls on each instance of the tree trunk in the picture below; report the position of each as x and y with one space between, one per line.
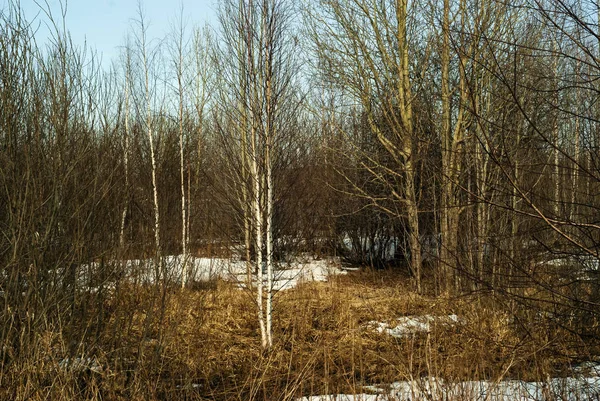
258 238
126 151
185 273
412 210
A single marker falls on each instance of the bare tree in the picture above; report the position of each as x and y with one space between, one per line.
126 140
146 58
261 82
365 49
179 56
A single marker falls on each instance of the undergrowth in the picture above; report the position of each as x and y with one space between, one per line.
202 343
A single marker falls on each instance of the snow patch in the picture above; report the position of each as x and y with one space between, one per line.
588 369
79 364
582 267
145 271
408 325
432 388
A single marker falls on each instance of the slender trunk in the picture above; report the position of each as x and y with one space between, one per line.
258 223
482 212
514 224
256 174
189 206
413 222
556 171
405 98
156 210
481 174
452 142
159 271
576 151
269 184
269 311
200 101
447 251
125 155
555 133
245 168
247 210
247 222
185 268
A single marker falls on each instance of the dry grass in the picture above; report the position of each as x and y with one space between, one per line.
206 344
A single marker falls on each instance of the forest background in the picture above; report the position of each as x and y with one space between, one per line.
448 148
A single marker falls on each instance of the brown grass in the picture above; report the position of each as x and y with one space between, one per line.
206 344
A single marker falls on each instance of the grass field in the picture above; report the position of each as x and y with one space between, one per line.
334 337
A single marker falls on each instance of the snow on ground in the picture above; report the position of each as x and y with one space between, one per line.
588 369
315 270
582 267
575 388
286 276
408 325
583 385
80 364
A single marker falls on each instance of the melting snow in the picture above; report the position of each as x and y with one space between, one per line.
286 276
431 388
80 364
408 325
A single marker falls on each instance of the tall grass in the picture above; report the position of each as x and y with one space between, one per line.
207 345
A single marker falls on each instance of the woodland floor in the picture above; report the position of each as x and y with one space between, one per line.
359 333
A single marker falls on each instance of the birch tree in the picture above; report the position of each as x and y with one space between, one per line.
178 49
261 82
145 55
203 83
126 139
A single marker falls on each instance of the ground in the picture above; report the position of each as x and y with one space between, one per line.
358 335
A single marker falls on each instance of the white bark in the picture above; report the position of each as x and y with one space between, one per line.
269 311
185 273
149 131
255 113
258 222
126 147
260 78
185 267
268 139
555 133
269 218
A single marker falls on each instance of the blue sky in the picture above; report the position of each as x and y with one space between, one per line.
104 23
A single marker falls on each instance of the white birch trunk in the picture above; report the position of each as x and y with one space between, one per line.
555 134
159 271
126 152
257 174
184 268
258 222
269 310
269 234
269 177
